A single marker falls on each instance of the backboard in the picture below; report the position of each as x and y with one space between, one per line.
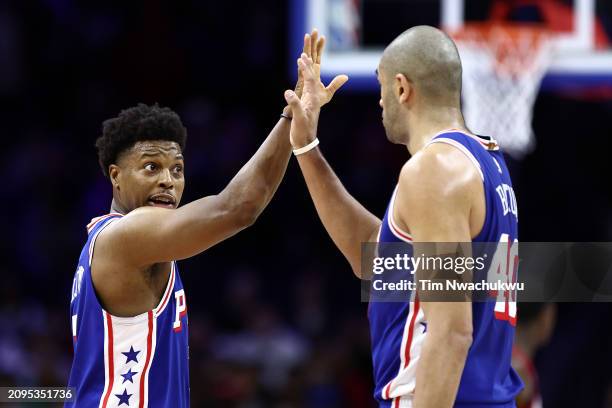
358 30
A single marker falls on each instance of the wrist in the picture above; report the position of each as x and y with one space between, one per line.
306 148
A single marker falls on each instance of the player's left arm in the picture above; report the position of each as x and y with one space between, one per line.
434 201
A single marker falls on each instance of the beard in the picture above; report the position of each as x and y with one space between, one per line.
392 125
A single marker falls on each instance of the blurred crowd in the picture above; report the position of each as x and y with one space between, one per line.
275 316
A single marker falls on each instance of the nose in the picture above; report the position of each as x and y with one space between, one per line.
165 179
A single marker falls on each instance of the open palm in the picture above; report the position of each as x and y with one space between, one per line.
314 95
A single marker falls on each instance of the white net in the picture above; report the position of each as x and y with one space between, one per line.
502 70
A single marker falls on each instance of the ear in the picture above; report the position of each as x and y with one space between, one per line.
404 88
113 173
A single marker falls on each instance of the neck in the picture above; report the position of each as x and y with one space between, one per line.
117 208
425 124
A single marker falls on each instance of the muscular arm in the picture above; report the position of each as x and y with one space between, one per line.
150 235
434 200
347 222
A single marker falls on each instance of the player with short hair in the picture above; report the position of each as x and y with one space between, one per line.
128 307
454 188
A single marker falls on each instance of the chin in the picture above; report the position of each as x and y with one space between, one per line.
391 138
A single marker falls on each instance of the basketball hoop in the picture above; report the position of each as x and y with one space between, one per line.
503 65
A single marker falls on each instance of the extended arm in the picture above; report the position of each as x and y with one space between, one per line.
434 199
151 235
347 222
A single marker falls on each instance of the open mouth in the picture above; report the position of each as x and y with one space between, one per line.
162 200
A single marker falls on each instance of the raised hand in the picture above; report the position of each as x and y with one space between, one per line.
306 107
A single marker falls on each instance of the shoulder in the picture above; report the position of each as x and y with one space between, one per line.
123 227
439 172
119 231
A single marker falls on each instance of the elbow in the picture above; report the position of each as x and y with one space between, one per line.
460 338
242 208
249 209
457 337
246 213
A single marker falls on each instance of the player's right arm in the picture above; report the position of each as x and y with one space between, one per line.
347 222
437 192
150 235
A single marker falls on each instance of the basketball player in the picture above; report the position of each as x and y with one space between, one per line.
128 306
454 188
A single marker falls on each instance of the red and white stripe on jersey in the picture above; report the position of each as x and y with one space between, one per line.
401 388
96 220
93 240
167 294
129 347
395 229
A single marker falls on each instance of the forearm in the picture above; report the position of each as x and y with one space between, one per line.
254 185
347 222
439 370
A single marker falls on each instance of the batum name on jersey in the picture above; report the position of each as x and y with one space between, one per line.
398 329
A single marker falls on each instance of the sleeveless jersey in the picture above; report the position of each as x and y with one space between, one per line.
139 361
398 329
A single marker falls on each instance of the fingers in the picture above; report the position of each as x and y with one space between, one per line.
307 44
306 66
292 99
314 38
336 83
320 46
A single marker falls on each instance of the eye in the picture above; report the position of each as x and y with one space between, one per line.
150 166
178 168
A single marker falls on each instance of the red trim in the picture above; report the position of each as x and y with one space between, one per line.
396 402
111 366
168 291
400 233
94 221
408 344
411 332
146 365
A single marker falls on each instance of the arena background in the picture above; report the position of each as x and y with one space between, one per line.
274 313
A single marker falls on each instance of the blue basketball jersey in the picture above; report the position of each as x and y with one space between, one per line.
398 329
139 361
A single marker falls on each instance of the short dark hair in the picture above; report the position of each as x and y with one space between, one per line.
135 124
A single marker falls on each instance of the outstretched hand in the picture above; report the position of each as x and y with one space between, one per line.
314 93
